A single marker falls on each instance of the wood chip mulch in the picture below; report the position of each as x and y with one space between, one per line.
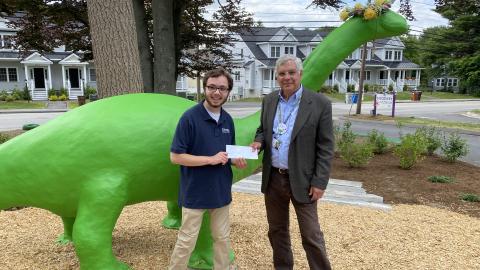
408 237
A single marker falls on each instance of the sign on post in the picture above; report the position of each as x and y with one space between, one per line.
384 101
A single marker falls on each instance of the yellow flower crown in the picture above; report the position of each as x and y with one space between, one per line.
368 12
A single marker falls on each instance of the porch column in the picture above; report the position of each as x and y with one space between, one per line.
418 76
26 77
50 77
63 77
333 77
388 78
85 79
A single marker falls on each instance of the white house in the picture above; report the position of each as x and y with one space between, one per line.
257 50
42 72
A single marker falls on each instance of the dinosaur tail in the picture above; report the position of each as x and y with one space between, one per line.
7 182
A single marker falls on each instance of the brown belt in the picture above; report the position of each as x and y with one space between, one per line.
280 171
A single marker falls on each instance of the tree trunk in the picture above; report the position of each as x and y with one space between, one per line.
362 78
144 43
115 47
164 63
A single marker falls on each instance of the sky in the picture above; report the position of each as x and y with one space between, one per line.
294 13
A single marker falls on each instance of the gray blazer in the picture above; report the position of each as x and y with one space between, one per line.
311 147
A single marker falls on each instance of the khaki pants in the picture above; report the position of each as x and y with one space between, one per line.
188 234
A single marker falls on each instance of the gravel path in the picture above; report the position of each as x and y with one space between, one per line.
408 237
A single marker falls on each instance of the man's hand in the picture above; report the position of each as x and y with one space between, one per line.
315 193
240 163
220 157
256 146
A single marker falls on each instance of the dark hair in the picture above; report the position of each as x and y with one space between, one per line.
217 73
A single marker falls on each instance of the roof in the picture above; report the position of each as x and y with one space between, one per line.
54 56
258 35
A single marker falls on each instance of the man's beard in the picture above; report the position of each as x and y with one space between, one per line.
213 105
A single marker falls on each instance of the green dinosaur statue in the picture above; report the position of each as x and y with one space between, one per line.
89 163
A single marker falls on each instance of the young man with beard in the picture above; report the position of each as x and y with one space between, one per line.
206 176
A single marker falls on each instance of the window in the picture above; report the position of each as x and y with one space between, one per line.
275 51
8 75
368 54
440 82
3 75
397 55
455 82
347 74
367 75
93 75
388 55
237 76
12 75
382 75
288 49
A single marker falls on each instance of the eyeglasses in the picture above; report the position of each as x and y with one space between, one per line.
213 88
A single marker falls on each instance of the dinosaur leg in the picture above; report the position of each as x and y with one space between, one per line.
98 210
173 220
203 255
66 237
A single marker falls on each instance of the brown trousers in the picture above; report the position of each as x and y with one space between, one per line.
277 202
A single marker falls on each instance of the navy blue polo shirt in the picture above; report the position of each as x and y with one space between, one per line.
198 134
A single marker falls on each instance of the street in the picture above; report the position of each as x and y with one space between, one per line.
445 111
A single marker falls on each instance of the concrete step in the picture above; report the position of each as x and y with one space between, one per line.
338 191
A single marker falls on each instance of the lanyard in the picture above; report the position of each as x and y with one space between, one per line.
279 110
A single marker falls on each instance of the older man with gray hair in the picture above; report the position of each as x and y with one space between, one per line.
296 135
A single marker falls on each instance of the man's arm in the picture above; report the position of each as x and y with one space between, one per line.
195 161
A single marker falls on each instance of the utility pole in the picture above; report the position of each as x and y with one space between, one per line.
362 78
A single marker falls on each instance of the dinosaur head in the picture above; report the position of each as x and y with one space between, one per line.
387 25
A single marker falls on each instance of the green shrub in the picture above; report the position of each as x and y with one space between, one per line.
454 147
350 88
440 179
410 150
432 137
17 94
89 91
378 141
9 98
3 95
53 98
470 197
62 98
366 87
63 92
26 94
3 137
390 87
52 92
347 136
326 89
335 88
356 154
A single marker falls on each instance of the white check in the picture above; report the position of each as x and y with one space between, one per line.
235 151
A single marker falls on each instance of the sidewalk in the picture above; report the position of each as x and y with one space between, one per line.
52 106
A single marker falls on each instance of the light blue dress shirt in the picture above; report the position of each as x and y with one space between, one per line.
287 110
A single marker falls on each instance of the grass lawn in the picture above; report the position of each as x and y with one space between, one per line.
419 121
446 95
21 104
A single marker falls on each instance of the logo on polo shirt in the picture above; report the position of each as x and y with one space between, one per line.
225 130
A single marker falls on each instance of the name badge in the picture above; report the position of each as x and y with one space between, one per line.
225 131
